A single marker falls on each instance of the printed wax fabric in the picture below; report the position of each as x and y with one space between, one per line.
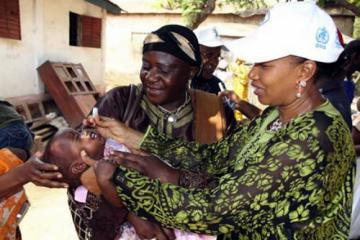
10 206
295 183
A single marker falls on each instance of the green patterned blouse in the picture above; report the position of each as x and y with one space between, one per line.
295 183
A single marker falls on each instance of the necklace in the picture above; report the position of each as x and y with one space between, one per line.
276 125
172 116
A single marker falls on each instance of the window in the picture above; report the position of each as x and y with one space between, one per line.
10 19
84 31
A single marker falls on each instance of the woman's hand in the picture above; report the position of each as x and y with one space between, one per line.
107 127
147 165
88 180
40 173
33 170
246 108
232 96
149 230
111 128
104 171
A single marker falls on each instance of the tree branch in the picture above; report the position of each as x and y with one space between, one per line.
196 18
349 6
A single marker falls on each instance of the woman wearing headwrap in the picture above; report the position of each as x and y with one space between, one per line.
171 58
288 174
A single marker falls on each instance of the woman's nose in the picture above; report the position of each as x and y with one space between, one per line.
151 76
253 73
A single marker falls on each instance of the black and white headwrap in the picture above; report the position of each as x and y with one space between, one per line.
176 40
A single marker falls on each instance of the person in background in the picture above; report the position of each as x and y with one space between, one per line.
355 217
14 174
331 84
210 49
352 53
15 170
288 174
13 131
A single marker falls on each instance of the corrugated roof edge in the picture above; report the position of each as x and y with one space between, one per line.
108 5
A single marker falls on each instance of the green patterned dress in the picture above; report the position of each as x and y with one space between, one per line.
294 183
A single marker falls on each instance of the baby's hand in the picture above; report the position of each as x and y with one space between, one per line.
86 159
88 179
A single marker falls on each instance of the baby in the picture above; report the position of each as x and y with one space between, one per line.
64 150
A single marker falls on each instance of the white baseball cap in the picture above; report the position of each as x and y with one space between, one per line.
293 28
209 37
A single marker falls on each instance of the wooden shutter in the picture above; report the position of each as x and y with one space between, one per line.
10 19
91 31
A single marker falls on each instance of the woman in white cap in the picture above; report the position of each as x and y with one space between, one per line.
286 175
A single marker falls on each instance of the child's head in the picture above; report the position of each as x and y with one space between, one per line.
64 150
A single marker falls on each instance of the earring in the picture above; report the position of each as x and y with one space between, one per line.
301 84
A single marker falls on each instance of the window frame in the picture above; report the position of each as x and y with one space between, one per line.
10 19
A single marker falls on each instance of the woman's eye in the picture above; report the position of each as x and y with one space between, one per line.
265 65
164 71
145 66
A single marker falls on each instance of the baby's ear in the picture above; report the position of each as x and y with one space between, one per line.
78 167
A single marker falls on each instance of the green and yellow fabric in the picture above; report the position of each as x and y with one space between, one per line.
294 183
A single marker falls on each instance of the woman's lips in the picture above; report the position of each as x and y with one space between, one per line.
258 90
153 91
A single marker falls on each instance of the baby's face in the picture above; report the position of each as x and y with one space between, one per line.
69 143
92 142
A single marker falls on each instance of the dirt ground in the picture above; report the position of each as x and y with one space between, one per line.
48 217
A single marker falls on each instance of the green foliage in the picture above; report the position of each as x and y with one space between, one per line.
246 4
167 4
355 2
323 2
191 6
356 33
191 9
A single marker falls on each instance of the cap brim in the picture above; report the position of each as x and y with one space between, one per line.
214 43
255 50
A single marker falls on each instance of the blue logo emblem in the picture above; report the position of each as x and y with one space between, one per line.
337 42
322 37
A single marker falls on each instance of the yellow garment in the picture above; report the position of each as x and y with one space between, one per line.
11 206
240 82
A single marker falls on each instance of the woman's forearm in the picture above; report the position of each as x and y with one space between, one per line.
108 190
11 182
132 138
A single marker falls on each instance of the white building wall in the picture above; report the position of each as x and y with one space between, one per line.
45 36
125 34
17 57
56 36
